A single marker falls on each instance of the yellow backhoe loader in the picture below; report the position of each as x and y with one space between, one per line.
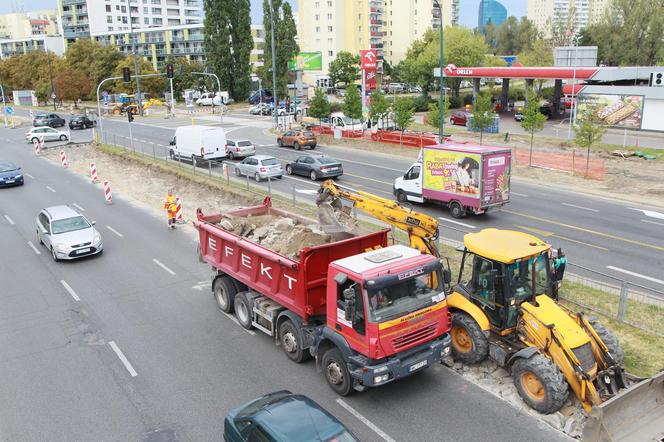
508 310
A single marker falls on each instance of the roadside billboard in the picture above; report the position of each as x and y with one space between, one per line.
624 111
452 172
306 61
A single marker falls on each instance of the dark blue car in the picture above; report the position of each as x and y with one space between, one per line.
284 417
10 174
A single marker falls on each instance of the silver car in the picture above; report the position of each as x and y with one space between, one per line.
47 133
239 149
67 234
259 167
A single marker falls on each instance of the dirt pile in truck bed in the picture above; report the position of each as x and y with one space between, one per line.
278 233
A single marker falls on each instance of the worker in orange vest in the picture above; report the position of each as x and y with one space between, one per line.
171 208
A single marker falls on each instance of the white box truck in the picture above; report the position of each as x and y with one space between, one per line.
198 143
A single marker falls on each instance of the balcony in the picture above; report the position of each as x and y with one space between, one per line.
73 2
76 34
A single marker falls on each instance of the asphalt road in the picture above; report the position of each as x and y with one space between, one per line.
618 239
129 345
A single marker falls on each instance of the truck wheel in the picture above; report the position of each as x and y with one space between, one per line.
456 210
610 341
243 310
540 383
336 372
469 345
401 196
288 337
224 292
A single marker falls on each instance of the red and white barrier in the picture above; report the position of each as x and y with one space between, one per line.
63 158
93 173
108 195
41 143
179 217
224 169
37 148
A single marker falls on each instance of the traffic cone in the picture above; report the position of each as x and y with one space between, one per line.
179 217
108 195
63 158
93 173
37 148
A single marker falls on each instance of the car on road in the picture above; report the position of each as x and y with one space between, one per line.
67 234
284 417
260 95
10 174
465 84
239 149
315 167
81 122
297 139
281 110
52 120
414 89
459 118
518 115
47 133
210 99
260 109
259 167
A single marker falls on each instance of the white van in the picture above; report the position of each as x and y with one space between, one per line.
199 143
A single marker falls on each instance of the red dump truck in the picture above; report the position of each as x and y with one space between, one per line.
368 312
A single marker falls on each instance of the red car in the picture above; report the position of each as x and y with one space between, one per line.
459 118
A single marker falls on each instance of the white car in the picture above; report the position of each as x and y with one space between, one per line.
239 148
208 99
67 234
47 133
259 109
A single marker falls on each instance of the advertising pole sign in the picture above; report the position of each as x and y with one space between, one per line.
369 64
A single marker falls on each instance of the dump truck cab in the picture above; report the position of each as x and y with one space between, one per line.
388 306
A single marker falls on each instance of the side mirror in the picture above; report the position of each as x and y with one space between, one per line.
447 276
93 222
172 143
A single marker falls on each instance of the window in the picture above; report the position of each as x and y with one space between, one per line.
145 9
156 11
317 17
358 323
124 19
123 9
329 16
108 8
117 7
330 53
317 29
109 19
329 4
413 173
146 20
329 29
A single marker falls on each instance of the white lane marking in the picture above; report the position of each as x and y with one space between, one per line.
29 176
115 231
651 222
365 421
123 359
580 207
638 275
156 261
78 207
51 189
651 213
70 290
234 319
401 171
235 128
32 246
522 195
9 220
457 222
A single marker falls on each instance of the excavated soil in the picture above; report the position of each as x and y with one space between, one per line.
278 233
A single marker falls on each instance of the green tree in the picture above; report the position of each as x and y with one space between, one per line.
72 84
540 54
353 103
533 120
403 110
94 60
153 86
242 44
284 42
345 68
319 106
562 26
514 36
433 116
489 32
482 114
588 130
379 107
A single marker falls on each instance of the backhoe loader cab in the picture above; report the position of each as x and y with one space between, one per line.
507 310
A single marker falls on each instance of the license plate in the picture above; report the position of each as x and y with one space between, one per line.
9 181
418 365
78 252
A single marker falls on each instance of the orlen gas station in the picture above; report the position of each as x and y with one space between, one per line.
628 97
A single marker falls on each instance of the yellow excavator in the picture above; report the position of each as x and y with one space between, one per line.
508 310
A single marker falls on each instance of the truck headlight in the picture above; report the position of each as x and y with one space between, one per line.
446 350
61 247
382 378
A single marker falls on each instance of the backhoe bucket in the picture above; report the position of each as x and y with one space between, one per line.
635 414
335 222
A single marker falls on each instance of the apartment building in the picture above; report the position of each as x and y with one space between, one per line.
83 18
388 26
25 25
20 46
544 13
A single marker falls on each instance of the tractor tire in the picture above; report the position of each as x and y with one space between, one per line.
336 372
469 344
224 292
540 383
611 342
288 337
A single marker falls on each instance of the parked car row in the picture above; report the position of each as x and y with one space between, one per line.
55 120
313 166
399 88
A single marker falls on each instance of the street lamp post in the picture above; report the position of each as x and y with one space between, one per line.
50 73
575 42
441 123
4 104
274 66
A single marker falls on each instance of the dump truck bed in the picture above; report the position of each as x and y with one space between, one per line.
298 284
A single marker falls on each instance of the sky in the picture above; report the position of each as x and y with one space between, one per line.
467 16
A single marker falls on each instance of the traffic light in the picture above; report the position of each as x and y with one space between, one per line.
126 75
169 71
130 115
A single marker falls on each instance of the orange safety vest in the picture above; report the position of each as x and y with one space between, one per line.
170 206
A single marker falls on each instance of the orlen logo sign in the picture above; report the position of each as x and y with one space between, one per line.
248 262
453 70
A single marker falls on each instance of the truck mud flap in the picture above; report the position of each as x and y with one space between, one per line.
635 414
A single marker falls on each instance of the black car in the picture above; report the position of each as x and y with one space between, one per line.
52 120
315 167
10 174
81 122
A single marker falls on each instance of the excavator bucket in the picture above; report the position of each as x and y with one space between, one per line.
635 414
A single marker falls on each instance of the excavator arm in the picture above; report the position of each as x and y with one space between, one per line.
422 229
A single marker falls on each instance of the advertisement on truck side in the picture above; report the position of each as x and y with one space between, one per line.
496 178
457 173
